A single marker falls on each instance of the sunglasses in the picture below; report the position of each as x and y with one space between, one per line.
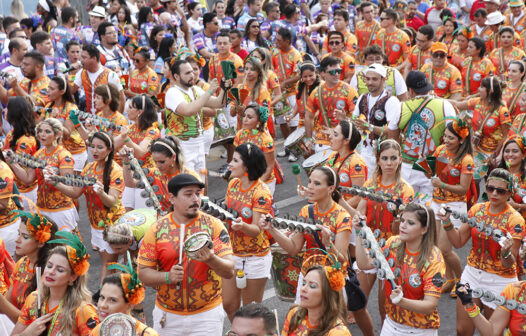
439 55
254 26
335 71
335 43
382 19
499 191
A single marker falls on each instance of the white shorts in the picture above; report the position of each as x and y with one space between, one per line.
209 138
485 280
358 270
98 242
32 195
254 267
272 186
194 155
391 328
6 325
352 241
417 180
280 120
131 198
9 235
207 323
80 161
456 206
66 220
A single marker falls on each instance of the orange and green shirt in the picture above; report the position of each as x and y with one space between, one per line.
117 118
451 174
73 142
24 145
473 72
7 179
418 57
395 45
262 139
37 89
416 284
366 34
138 136
304 327
493 42
257 198
20 281
215 69
286 65
350 44
485 254
147 81
201 286
501 59
97 212
347 63
519 125
347 168
515 291
446 81
512 97
86 316
491 132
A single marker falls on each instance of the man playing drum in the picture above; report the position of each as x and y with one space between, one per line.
332 101
188 289
373 111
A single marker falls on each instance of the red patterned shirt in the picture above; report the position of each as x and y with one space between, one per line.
304 327
473 72
20 282
262 139
349 167
451 174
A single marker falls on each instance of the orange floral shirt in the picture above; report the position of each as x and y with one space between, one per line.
451 174
501 60
86 317
415 285
396 45
515 291
418 57
519 125
97 212
20 281
7 179
491 131
48 197
352 166
257 198
73 142
304 327
117 118
347 63
286 65
144 82
36 89
201 286
138 136
485 253
512 98
366 34
24 145
445 81
216 71
473 72
262 139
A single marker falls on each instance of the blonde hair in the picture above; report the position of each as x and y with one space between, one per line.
55 125
119 234
377 174
262 77
76 295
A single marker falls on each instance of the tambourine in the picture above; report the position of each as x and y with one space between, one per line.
118 325
195 242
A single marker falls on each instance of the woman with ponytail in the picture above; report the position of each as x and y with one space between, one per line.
513 160
309 80
103 198
514 88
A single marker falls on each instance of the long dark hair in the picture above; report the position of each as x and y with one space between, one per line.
108 167
332 179
21 116
259 39
253 158
148 115
503 162
153 42
143 15
464 148
301 85
164 48
356 137
493 87
63 85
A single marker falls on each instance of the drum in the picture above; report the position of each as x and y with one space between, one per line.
118 325
294 142
316 160
223 132
281 108
481 164
285 273
195 242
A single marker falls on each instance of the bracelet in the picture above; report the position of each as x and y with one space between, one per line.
446 222
76 126
55 183
443 185
473 310
127 140
125 163
166 274
398 298
448 227
210 92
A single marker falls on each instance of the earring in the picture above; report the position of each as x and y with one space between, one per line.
246 174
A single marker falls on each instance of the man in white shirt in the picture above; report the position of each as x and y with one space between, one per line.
112 55
378 107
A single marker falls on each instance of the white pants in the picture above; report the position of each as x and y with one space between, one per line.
391 328
131 198
9 234
254 267
98 242
208 323
209 138
80 161
32 195
6 326
66 220
488 281
417 180
455 206
194 155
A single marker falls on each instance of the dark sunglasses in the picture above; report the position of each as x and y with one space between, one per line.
335 71
254 26
382 19
335 43
439 55
499 191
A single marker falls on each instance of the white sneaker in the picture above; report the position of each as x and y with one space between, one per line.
292 158
283 153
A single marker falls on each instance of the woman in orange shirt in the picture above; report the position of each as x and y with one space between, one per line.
513 155
507 52
252 199
103 199
263 55
143 79
476 66
514 88
310 79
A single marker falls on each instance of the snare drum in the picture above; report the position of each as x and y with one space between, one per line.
316 160
281 108
294 142
195 242
118 324
223 132
285 273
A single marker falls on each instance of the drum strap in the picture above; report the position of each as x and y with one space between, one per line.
315 233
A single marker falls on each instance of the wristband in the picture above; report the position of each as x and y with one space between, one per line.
125 163
448 227
76 126
127 140
398 298
55 183
166 274
210 92
443 186
473 310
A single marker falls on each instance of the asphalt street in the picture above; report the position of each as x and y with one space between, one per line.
288 203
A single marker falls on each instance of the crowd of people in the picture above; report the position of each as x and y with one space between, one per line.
407 117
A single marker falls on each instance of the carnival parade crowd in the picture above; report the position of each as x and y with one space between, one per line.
406 116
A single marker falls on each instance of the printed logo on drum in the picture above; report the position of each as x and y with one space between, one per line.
91 323
3 184
224 237
262 200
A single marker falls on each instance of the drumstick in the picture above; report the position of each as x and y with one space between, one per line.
277 323
296 170
181 239
39 289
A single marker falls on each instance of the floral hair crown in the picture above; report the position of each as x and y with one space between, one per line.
77 254
38 226
461 127
519 140
332 267
132 286
465 31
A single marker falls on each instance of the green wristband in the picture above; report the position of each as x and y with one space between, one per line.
210 92
167 277
443 185
127 140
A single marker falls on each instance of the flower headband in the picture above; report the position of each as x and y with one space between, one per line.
519 140
331 266
77 254
184 54
132 286
465 31
38 226
461 127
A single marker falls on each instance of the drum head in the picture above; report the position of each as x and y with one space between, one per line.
118 325
317 158
138 217
294 136
196 241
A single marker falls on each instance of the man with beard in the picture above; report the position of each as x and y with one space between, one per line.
188 287
35 83
112 55
185 111
373 111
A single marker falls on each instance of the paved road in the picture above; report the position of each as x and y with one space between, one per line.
287 202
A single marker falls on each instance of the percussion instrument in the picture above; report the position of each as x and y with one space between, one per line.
98 120
316 160
393 204
118 324
223 131
281 108
219 211
294 142
293 223
5 75
74 180
27 160
285 273
480 161
196 242
138 217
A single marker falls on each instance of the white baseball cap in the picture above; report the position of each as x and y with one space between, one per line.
378 68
